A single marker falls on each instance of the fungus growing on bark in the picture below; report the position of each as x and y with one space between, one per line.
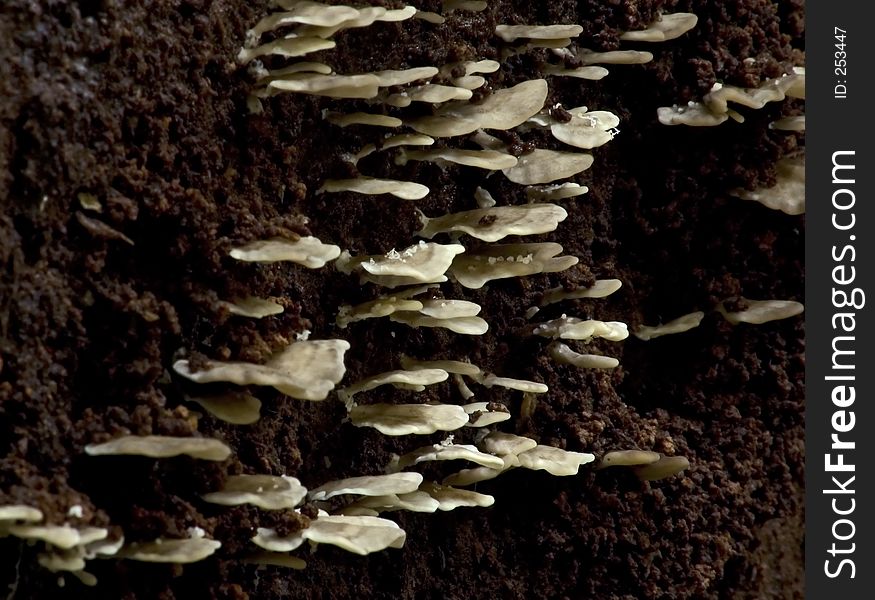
425 262
602 288
481 159
788 193
586 129
252 307
408 380
484 414
509 33
667 27
679 325
561 191
237 408
547 166
450 498
665 467
361 118
572 328
554 460
628 458
178 551
448 451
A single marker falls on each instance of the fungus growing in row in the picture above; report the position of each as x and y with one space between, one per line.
572 328
425 262
470 80
408 380
667 27
628 458
588 73
758 312
164 550
306 370
586 129
547 166
562 354
493 224
489 380
393 141
276 559
380 307
160 446
449 6
361 118
417 501
788 193
510 33
602 288
237 408
357 534
554 460
503 109
484 414
252 307
406 190
450 366
446 450
796 123
482 159
405 419
431 93
288 47
369 485
551 193
307 251
679 325
614 57
264 491
19 512
450 498
694 114
456 315
65 537
500 261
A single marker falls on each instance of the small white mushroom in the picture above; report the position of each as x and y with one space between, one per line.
788 193
510 33
410 380
360 118
238 408
451 498
572 328
254 308
499 261
448 451
628 458
493 224
481 159
679 325
289 47
554 460
171 550
602 288
564 355
586 129
406 190
265 491
546 166
369 485
762 311
665 467
668 27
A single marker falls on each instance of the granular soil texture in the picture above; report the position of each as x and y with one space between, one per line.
130 164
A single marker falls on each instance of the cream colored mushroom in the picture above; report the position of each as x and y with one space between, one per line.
448 451
694 114
406 190
679 325
477 474
413 501
424 262
307 251
484 414
602 288
306 370
614 57
289 47
333 86
481 159
252 307
237 408
357 534
762 311
554 460
489 380
361 118
572 328
628 458
175 551
504 444
586 129
547 166
450 366
665 467
160 446
369 485
551 193
20 512
265 491
788 193
381 307
410 380
667 27
499 261
451 498
493 224
404 419
564 355
588 73
510 33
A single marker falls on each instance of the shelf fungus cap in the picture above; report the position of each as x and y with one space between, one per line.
180 551
368 485
665 467
254 308
276 559
415 380
572 328
361 118
493 224
586 130
523 385
60 536
333 86
423 261
380 307
554 460
484 414
602 288
762 311
693 114
614 57
589 73
451 498
270 540
668 27
449 451
20 512
308 251
450 366
404 419
237 408
499 261
564 355
467 325
288 47
416 501
788 193
159 446
679 325
357 534
510 33
307 370
546 166
628 458
406 190
482 159
505 444
503 109
265 491
478 474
